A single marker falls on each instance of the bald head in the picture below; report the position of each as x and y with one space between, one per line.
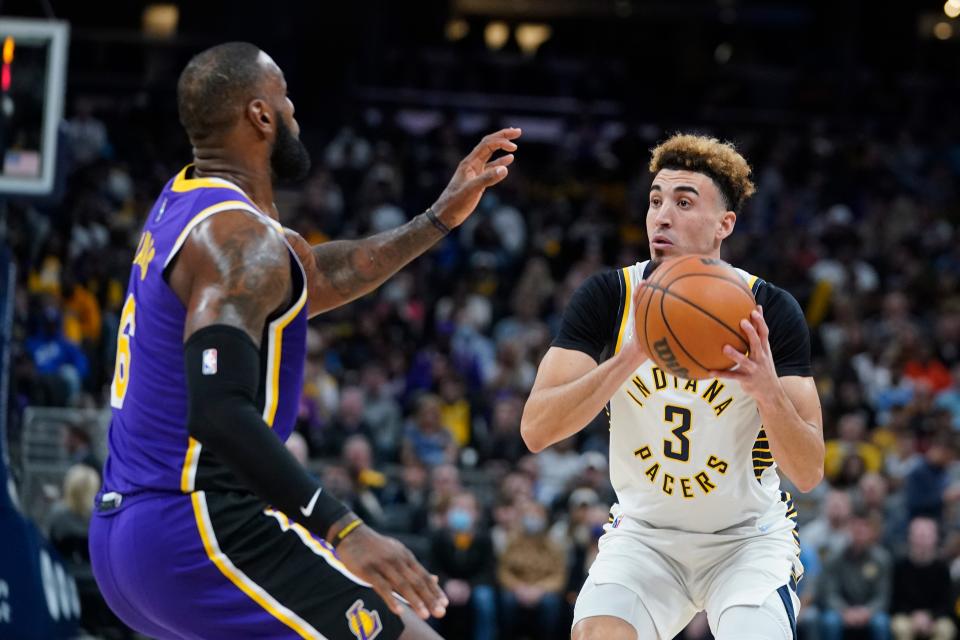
216 85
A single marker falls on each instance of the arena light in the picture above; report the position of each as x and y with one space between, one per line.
496 34
160 20
943 31
952 8
531 35
456 29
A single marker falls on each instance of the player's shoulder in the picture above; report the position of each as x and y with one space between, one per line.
777 302
608 283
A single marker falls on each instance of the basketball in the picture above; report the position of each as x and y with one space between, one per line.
691 307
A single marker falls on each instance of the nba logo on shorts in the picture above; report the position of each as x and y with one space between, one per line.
364 624
209 362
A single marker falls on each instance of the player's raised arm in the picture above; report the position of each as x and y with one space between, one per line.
343 270
571 388
232 274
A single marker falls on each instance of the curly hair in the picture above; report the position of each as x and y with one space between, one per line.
718 160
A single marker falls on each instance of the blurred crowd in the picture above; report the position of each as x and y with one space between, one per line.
413 395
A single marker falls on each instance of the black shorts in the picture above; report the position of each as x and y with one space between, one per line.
220 565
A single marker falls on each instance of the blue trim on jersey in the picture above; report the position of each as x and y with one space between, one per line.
784 593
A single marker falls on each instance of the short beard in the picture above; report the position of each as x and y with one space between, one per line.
289 159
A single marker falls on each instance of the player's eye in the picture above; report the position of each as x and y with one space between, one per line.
684 203
655 202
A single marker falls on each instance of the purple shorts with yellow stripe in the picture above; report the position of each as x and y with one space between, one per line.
222 565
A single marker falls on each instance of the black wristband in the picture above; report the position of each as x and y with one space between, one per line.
432 217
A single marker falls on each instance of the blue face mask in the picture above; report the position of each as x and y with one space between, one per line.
459 520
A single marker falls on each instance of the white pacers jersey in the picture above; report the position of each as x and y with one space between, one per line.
690 455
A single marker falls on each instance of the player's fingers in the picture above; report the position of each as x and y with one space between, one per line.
740 360
396 575
381 585
428 590
488 178
500 141
502 161
753 338
761 323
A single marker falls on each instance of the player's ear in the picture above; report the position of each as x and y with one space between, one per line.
727 222
260 115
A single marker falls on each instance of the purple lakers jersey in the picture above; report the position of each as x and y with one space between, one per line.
149 446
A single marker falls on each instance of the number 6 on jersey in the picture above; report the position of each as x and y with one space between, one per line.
121 371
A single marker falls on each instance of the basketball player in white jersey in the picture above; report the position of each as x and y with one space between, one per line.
701 522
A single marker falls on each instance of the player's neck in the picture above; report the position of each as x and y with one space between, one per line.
255 181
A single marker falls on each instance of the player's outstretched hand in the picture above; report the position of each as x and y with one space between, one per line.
474 174
389 566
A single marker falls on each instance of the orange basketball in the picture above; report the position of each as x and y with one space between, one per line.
690 308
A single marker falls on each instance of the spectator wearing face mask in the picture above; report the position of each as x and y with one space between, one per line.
464 561
532 573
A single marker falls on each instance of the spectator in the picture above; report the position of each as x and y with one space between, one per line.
926 369
828 534
349 421
463 557
427 441
852 429
558 464
67 526
856 584
382 412
874 494
577 532
921 603
368 483
444 485
505 443
83 312
455 411
926 484
78 445
532 572
61 364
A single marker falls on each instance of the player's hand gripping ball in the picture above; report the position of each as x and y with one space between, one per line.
689 309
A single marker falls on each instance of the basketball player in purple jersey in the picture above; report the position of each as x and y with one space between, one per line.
206 526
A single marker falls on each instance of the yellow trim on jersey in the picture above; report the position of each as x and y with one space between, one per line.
182 183
274 348
627 300
752 280
240 579
188 476
225 205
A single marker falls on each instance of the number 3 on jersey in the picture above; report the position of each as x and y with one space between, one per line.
121 371
672 414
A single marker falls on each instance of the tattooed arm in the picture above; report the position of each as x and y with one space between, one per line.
344 270
341 271
234 270
232 274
